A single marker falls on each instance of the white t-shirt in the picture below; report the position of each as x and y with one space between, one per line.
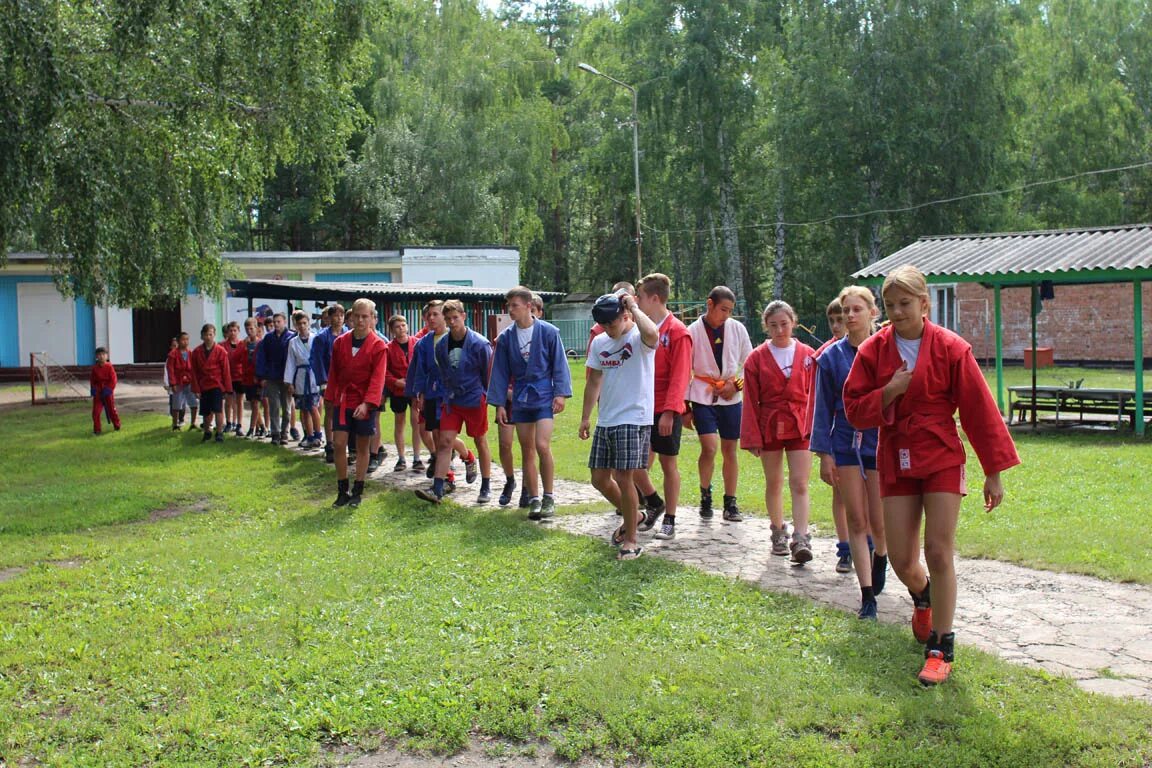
784 357
628 389
524 339
909 349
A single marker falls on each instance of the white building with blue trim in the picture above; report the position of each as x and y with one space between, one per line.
35 317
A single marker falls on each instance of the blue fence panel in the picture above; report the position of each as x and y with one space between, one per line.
574 334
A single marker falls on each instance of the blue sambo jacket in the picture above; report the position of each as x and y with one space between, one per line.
831 432
272 354
544 375
467 383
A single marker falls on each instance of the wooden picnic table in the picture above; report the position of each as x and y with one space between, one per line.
1118 404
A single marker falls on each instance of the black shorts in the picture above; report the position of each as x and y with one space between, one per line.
212 401
359 427
252 393
431 414
398 403
667 446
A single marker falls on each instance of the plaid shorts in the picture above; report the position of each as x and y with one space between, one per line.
621 447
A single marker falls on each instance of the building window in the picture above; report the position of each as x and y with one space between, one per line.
944 306
462 283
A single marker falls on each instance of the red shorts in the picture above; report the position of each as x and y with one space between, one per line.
798 444
453 418
951 480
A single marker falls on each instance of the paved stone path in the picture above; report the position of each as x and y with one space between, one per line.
1097 632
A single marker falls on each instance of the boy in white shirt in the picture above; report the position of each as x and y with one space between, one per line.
622 375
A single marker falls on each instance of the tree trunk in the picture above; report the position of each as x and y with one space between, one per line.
778 262
734 264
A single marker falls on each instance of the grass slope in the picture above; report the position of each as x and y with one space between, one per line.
269 627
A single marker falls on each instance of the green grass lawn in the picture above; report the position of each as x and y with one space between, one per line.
1076 503
262 627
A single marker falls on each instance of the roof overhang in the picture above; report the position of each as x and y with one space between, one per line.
309 290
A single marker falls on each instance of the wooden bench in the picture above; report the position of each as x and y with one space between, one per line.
1117 405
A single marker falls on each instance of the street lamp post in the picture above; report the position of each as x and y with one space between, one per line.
635 158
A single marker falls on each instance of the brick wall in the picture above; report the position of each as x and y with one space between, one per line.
1083 322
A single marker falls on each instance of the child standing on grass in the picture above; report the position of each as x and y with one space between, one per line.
848 455
303 383
835 317
774 425
271 356
237 356
333 318
355 384
179 371
909 380
529 357
622 379
463 358
248 382
212 377
424 387
102 383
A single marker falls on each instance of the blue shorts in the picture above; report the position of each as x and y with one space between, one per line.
307 402
850 460
725 419
359 427
518 415
183 398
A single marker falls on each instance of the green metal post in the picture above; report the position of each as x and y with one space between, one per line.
1138 336
999 351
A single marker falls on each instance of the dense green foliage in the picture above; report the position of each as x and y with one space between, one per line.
262 627
783 143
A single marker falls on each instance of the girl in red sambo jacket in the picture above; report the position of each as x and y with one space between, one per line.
774 425
909 379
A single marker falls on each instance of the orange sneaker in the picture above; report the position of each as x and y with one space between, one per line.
936 670
921 623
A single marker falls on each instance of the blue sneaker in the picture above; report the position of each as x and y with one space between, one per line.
867 610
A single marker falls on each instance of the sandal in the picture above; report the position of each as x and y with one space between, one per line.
629 554
618 536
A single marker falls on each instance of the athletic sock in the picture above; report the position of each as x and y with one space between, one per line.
866 594
485 485
509 479
653 499
924 599
438 487
842 549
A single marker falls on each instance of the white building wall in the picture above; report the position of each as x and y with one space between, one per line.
118 322
495 267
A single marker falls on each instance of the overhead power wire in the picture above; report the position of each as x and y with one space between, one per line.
909 208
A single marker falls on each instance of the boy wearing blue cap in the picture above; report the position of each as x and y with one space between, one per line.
622 376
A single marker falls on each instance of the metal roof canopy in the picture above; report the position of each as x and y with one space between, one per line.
306 290
1017 259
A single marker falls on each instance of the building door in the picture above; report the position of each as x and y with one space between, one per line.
152 330
47 323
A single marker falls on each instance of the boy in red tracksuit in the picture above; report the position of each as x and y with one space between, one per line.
102 382
211 378
399 356
237 358
355 388
673 372
179 370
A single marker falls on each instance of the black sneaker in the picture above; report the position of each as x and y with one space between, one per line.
329 454
400 465
373 463
706 506
525 498
506 494
431 471
732 514
295 433
342 499
354 500
175 427
428 495
219 437
649 517
207 436
417 465
449 487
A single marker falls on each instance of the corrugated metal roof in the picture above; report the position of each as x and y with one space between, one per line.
310 289
1067 255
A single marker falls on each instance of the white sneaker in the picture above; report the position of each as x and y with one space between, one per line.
667 530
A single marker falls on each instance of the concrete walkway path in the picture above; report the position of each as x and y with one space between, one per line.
1097 632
